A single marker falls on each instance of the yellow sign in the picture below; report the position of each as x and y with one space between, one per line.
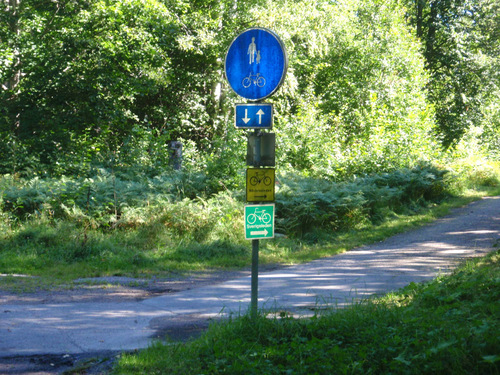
260 184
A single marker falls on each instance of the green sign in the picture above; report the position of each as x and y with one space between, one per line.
259 221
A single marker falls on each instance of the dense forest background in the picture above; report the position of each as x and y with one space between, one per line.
372 85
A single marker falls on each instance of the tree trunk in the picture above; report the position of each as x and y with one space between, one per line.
419 21
431 33
12 83
13 9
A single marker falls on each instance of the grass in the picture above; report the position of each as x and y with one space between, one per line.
59 252
61 230
448 326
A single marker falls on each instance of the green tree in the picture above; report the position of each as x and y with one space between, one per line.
460 38
9 73
117 80
354 101
84 65
104 75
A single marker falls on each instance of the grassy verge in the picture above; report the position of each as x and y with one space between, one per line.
448 326
151 234
31 252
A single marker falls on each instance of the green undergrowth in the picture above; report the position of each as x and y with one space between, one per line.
110 225
448 326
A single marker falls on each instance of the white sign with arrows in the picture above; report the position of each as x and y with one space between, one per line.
254 116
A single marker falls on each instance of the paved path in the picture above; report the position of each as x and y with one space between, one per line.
414 256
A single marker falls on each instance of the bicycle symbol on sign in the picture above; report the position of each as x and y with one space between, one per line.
260 177
256 79
262 215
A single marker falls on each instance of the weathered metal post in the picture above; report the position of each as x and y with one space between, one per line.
254 301
176 155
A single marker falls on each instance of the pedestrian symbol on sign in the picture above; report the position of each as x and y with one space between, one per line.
252 50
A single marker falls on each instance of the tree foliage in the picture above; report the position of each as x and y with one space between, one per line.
355 100
98 75
461 48
112 82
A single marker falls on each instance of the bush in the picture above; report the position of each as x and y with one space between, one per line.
118 201
471 174
306 203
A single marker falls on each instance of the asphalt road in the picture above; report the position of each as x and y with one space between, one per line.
70 329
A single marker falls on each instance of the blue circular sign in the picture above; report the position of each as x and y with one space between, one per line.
256 64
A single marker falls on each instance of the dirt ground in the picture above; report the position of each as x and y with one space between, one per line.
110 289
118 288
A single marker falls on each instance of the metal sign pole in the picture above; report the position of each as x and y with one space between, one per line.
255 67
254 301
